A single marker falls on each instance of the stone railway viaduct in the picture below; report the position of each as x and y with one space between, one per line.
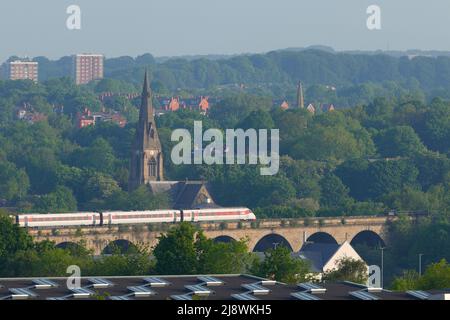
261 235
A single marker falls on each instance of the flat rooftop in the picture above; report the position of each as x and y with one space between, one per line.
201 287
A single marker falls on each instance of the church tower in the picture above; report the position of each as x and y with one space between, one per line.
146 158
300 98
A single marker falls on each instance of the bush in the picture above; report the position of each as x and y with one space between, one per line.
293 223
307 222
78 232
255 224
348 269
138 228
223 226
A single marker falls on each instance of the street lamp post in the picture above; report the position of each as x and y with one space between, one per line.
420 264
382 266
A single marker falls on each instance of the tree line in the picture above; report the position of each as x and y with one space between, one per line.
277 73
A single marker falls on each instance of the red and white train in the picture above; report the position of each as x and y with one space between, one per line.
133 217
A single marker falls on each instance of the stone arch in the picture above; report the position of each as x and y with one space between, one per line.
224 239
67 245
120 246
321 237
270 241
368 238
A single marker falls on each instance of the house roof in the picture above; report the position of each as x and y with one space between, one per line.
318 253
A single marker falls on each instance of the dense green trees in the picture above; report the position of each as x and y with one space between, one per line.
258 119
176 252
292 124
436 276
231 110
434 128
113 86
12 238
407 239
98 156
332 136
60 200
278 264
331 163
223 258
305 175
389 151
348 269
14 182
139 199
334 192
399 141
21 257
373 152
370 74
373 179
185 250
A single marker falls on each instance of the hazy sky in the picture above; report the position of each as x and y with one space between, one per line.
179 27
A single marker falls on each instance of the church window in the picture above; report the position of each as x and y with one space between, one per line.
152 167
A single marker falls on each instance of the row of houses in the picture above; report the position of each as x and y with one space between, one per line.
175 103
89 118
313 108
172 103
27 113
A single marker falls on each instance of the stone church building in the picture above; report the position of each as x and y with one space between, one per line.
147 165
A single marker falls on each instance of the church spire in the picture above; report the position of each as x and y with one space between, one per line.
146 88
300 98
146 159
146 110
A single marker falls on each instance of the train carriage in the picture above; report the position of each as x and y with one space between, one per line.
59 220
221 214
133 217
136 217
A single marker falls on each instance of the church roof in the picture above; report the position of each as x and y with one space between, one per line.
183 193
187 194
163 186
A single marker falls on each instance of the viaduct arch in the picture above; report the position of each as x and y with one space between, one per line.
266 234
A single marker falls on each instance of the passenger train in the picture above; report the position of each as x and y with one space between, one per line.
133 217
